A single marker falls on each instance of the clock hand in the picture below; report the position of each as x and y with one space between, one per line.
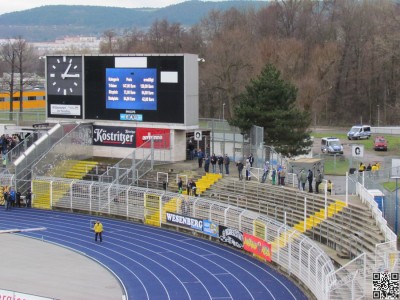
71 75
66 72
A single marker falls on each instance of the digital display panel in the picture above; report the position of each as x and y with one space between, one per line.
131 88
168 86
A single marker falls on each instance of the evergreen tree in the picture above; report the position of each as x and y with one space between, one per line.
269 102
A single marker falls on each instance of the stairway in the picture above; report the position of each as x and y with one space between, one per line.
72 169
312 221
205 182
80 169
319 216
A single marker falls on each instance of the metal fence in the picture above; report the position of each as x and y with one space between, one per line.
22 166
226 139
376 181
25 118
295 253
298 255
138 163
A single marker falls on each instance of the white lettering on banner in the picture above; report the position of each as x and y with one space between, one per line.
187 221
234 232
152 137
233 237
101 135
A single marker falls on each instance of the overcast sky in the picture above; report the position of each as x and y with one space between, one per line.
16 5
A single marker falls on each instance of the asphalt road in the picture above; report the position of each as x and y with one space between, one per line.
383 157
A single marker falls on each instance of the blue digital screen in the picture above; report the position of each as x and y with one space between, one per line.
132 88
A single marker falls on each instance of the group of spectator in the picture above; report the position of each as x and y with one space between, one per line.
214 160
303 178
9 145
247 167
191 188
12 198
374 168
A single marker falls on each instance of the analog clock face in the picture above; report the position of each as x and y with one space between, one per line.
64 75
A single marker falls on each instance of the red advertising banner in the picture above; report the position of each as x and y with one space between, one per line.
257 246
161 137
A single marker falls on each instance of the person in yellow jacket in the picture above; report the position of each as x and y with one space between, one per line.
98 229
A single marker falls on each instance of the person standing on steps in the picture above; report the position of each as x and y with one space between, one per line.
240 169
226 163
318 181
251 159
214 163
191 150
303 179
98 230
273 176
207 164
180 185
200 158
220 161
310 180
248 168
266 170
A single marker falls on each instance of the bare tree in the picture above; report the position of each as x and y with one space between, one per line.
109 35
9 56
165 37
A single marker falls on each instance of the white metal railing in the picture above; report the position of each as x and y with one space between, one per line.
301 256
297 254
380 221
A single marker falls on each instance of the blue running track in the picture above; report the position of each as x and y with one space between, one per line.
154 263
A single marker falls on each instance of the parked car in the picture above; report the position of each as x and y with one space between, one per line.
359 132
380 143
331 145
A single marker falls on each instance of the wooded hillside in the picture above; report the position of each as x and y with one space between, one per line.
343 56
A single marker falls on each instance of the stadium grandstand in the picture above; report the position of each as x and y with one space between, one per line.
125 164
330 245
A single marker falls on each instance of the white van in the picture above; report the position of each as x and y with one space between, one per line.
331 145
359 132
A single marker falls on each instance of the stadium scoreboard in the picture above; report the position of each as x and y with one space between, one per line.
156 88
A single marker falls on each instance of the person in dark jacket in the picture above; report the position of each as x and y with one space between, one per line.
226 164
251 159
180 185
18 198
28 198
310 176
207 164
240 169
213 161
220 164
200 158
